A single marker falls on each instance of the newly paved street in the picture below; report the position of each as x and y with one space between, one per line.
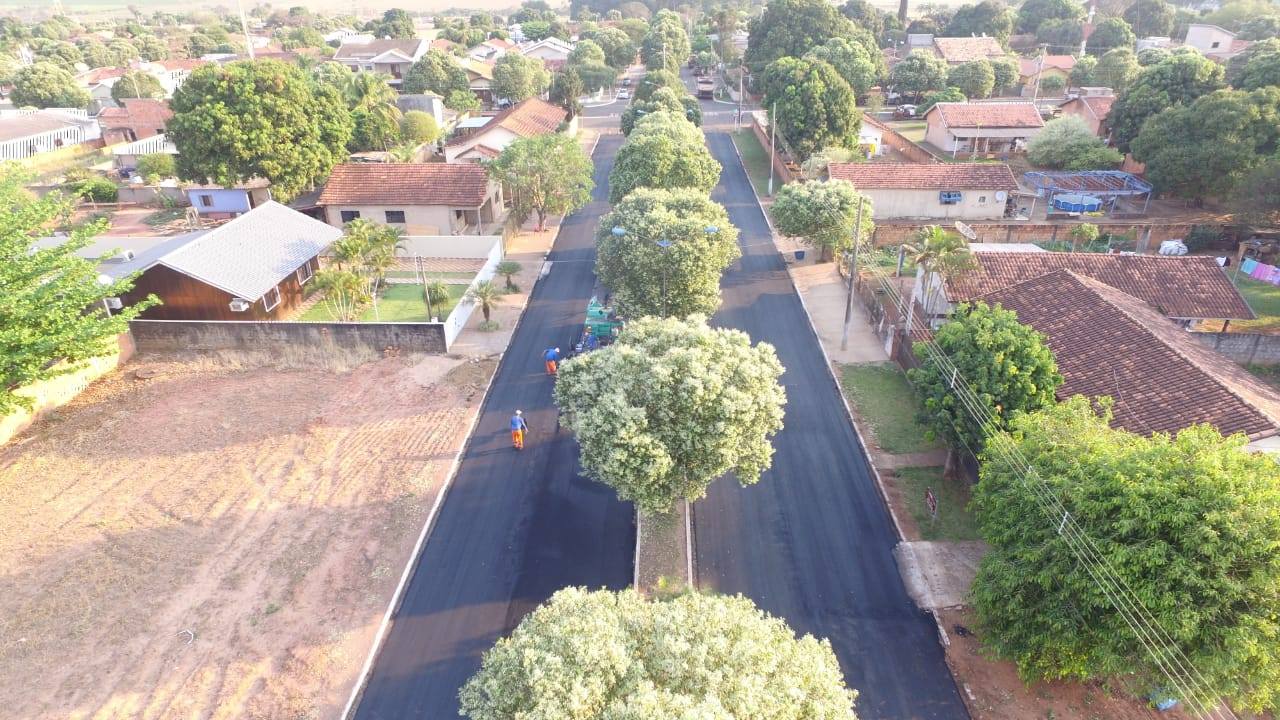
811 542
515 527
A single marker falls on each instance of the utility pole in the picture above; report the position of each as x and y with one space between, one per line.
1035 94
853 278
248 43
1088 28
738 124
773 134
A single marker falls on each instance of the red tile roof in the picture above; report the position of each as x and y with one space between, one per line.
136 111
527 118
366 50
1028 67
1099 105
966 49
464 185
97 75
988 115
921 176
1161 378
1191 286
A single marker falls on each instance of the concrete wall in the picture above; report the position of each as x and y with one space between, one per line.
58 391
780 170
911 151
418 219
450 246
281 337
497 138
1244 348
895 232
973 205
462 311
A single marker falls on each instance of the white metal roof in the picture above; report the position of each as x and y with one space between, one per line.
254 252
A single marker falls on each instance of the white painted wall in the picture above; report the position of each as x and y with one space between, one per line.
973 205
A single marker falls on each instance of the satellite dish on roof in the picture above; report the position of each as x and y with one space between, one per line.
966 231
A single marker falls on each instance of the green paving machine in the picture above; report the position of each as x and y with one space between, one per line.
601 327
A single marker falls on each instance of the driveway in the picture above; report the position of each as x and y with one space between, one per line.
514 527
812 542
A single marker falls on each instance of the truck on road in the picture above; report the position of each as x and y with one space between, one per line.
706 88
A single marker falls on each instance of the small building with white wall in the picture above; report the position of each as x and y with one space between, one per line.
931 191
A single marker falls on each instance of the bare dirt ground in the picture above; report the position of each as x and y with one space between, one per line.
188 539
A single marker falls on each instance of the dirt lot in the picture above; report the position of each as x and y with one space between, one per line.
198 540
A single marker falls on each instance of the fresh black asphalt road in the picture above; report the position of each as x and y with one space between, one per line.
812 541
514 527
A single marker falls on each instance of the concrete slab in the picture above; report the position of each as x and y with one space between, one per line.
938 574
824 296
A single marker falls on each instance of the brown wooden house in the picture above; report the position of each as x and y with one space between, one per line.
252 268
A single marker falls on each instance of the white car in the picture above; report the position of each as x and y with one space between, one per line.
624 94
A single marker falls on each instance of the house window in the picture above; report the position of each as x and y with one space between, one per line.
395 216
1214 45
982 199
206 201
949 197
271 299
304 272
349 215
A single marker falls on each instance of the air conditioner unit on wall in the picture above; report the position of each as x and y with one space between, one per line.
240 305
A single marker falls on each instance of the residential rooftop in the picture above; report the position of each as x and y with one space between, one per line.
988 115
1109 343
925 176
463 185
527 118
967 49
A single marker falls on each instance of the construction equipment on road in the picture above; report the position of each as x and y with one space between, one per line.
601 327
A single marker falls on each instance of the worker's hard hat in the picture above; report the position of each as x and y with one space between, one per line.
519 412
557 349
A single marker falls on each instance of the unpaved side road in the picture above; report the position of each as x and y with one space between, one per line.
192 540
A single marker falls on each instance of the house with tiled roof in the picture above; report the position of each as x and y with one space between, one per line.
1214 42
490 50
960 50
418 198
1034 70
989 127
24 134
479 77
1092 109
953 191
1183 288
549 49
528 118
391 56
136 119
1159 377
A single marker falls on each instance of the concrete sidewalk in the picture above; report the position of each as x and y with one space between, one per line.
825 296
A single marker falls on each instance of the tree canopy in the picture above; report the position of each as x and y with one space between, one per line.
791 28
435 72
1150 18
1110 34
1007 365
665 99
655 80
1116 69
1033 13
1190 523
1176 80
851 60
1203 149
1067 143
671 406
619 50
1255 200
137 84
586 655
546 174
667 44
680 279
823 213
919 73
394 23
45 85
976 78
989 17
235 122
949 94
1257 67
663 151
815 107
419 127
51 313
518 77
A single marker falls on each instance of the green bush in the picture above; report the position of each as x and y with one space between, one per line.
156 167
1203 237
94 189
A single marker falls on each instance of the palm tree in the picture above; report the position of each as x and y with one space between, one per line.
364 90
486 294
507 268
436 293
938 252
345 293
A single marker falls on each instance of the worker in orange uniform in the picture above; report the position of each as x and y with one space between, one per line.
552 356
518 428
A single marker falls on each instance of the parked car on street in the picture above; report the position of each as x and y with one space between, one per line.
624 94
904 112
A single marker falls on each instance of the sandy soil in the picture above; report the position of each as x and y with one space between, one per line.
191 540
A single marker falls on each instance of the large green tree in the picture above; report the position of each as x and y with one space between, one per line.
137 84
665 99
663 151
1190 524
655 80
989 17
1033 13
1150 18
814 107
667 44
566 89
824 214
1116 69
1256 200
851 60
1067 143
1177 80
976 78
1006 364
435 72
546 175
791 28
45 85
619 50
585 53
662 252
918 73
1203 149
394 23
263 119
52 317
1257 67
518 77
1005 72
671 406
589 655
1110 34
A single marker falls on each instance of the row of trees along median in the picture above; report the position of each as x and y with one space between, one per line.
659 414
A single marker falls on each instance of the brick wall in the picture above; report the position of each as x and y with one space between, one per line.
902 144
894 233
779 165
1244 348
179 335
